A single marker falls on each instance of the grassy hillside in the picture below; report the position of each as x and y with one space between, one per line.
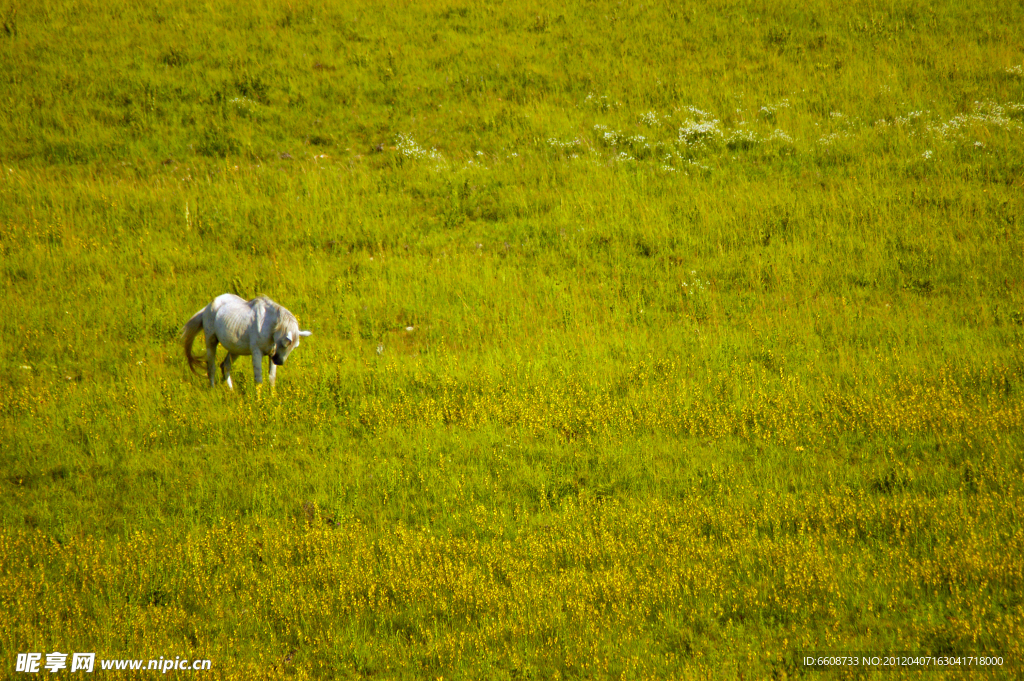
650 341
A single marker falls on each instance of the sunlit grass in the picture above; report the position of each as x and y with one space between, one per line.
649 341
328 596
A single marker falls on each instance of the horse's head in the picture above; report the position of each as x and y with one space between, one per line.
285 342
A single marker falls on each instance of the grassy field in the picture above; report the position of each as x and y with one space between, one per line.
661 340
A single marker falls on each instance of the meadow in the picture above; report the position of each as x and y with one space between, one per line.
654 340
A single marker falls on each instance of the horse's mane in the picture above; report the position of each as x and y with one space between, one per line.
285 319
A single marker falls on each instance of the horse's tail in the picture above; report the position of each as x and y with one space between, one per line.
188 333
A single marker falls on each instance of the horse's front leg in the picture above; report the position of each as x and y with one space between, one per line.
273 373
257 365
211 359
225 369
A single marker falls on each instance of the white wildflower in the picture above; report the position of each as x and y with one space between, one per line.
408 148
699 133
650 119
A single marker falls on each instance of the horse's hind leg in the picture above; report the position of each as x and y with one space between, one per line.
225 369
211 359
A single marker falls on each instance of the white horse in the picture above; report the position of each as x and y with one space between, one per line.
256 327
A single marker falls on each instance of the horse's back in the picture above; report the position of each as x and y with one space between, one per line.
231 320
227 300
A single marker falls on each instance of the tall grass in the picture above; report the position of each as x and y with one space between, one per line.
649 341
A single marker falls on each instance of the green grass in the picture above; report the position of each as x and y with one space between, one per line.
649 341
